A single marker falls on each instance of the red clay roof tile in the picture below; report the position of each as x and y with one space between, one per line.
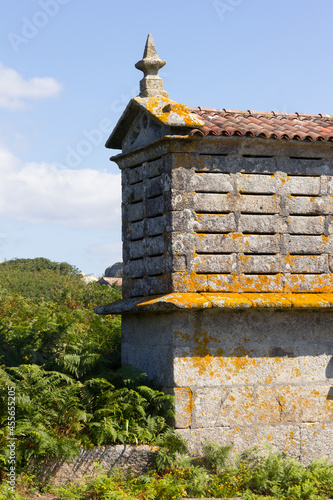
276 125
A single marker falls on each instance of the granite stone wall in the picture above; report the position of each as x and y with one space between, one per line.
235 223
138 459
242 377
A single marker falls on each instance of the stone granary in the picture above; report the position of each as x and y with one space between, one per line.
228 261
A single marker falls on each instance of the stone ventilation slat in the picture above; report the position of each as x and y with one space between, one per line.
235 231
253 244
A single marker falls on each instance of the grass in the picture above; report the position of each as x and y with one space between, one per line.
250 476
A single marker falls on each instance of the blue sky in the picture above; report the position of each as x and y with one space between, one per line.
67 72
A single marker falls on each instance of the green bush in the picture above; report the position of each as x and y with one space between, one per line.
64 361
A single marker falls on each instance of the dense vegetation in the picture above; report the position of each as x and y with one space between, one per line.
253 475
64 361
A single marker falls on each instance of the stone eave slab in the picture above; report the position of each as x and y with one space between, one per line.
163 110
193 145
185 301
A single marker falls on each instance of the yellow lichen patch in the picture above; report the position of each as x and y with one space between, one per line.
188 300
184 405
169 112
268 300
182 336
203 364
228 300
305 300
237 363
261 283
327 297
202 339
189 282
179 300
217 365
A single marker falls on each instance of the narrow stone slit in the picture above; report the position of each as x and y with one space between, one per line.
136 239
304 158
136 202
154 196
211 192
299 195
203 212
258 253
257 193
135 182
261 274
266 233
258 156
210 253
247 212
213 232
214 154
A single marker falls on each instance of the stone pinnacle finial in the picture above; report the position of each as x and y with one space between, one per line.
151 84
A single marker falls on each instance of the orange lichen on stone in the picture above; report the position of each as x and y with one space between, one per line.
168 112
228 300
268 299
179 300
184 404
202 340
308 300
219 300
182 336
209 362
189 282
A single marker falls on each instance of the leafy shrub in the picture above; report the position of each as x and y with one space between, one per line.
284 479
171 445
64 361
215 456
56 414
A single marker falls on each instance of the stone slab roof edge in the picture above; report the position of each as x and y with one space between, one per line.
163 110
186 301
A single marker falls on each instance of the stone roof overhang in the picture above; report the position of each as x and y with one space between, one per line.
203 122
163 110
226 301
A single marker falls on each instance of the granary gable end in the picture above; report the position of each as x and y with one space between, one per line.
227 248
151 115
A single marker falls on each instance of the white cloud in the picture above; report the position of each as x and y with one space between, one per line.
39 193
14 89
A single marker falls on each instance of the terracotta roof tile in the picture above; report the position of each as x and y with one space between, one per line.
297 126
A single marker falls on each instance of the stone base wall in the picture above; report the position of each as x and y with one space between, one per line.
242 377
139 459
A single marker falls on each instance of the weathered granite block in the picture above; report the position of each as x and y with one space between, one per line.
262 224
303 185
214 223
211 183
265 204
257 183
306 225
240 373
